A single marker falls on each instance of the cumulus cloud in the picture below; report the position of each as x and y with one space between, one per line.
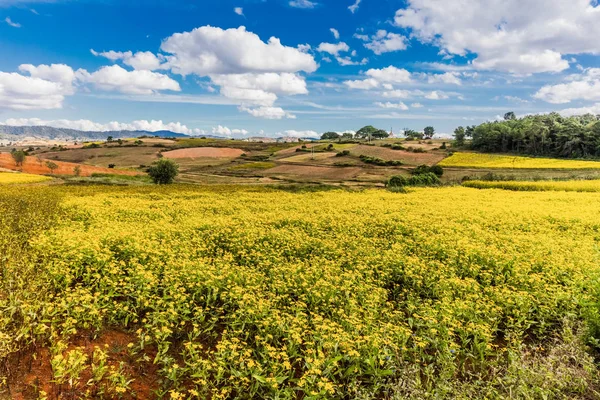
585 86
437 95
142 60
384 77
116 78
225 131
364 84
383 42
593 109
302 4
335 32
44 87
238 11
399 106
354 6
416 105
91 126
451 78
268 112
506 35
333 48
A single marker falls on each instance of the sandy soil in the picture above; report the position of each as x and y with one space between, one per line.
209 152
303 171
34 166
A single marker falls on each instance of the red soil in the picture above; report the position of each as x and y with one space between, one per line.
31 371
208 152
34 166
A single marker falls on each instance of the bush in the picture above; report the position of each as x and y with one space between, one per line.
111 166
397 181
426 179
424 169
343 153
163 171
379 161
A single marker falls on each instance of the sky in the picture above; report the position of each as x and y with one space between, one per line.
297 68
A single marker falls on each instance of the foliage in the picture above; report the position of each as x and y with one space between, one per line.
370 131
9 178
378 161
477 160
52 166
330 136
411 134
420 179
163 171
549 135
423 169
428 132
237 293
343 153
18 156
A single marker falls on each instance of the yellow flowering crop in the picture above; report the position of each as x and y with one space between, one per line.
8 178
539 186
252 292
479 160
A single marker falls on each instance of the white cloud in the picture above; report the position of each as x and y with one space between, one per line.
450 78
585 86
398 94
416 105
223 130
299 134
516 99
302 4
384 42
354 6
116 78
507 35
333 48
365 84
142 60
11 23
91 126
437 95
593 109
344 61
400 106
210 50
335 32
268 112
390 74
238 11
44 88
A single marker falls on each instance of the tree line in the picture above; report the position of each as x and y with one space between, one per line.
370 132
543 135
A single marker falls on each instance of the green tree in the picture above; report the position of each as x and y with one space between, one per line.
109 139
459 136
411 134
347 135
163 171
428 132
510 116
19 157
52 166
330 136
370 132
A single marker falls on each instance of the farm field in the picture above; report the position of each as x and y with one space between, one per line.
257 292
566 186
8 178
479 160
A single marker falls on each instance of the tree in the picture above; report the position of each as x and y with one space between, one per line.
163 171
347 135
510 116
428 132
51 166
411 134
330 136
459 136
369 132
109 139
19 157
77 171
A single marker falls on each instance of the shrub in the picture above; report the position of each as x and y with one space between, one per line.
424 169
397 181
379 161
111 166
426 179
163 171
343 153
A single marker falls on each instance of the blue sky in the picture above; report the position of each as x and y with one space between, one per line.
299 67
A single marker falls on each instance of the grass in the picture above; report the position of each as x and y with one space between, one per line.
538 186
479 160
8 178
231 292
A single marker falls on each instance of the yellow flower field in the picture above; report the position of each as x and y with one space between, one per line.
241 293
479 160
8 178
540 186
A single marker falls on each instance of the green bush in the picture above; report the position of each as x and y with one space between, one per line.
424 169
343 153
426 179
163 171
379 161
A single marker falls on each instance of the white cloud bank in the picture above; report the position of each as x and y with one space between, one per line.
585 86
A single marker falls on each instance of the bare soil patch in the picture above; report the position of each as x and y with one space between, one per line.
204 152
327 173
31 370
32 165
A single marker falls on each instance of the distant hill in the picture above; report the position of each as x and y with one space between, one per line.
15 133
